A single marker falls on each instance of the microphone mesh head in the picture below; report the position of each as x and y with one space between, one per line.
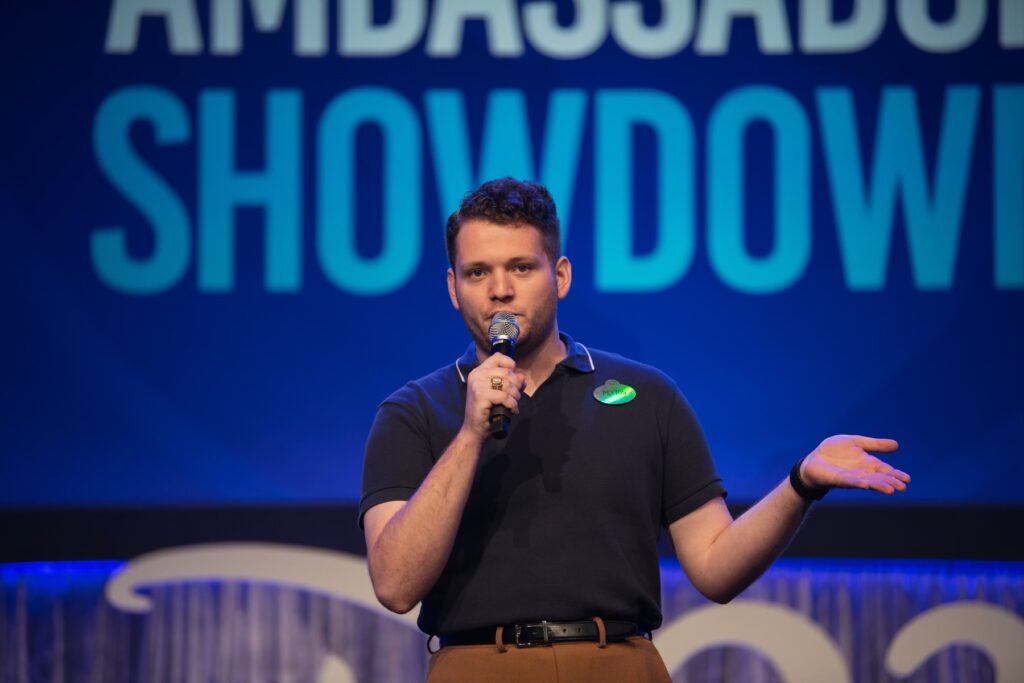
503 326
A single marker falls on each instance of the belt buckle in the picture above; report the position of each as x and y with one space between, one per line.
520 632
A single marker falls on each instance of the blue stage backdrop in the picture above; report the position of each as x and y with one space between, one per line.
223 220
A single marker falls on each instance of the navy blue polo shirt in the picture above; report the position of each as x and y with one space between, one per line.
563 518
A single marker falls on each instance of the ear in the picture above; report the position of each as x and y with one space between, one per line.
563 276
451 290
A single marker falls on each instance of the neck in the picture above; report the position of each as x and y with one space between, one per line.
539 362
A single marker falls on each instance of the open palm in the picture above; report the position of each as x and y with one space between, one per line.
844 461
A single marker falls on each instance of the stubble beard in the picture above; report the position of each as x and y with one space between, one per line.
537 335
527 343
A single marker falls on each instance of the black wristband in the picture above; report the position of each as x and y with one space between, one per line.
802 489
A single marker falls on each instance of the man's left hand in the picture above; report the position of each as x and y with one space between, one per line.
845 462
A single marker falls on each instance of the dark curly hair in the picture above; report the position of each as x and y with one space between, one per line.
507 201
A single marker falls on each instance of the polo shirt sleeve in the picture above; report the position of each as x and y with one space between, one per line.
397 458
690 476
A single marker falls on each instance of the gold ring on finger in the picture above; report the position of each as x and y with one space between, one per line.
497 383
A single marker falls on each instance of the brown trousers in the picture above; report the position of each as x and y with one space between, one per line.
634 660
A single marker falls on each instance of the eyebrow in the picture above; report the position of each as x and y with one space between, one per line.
508 262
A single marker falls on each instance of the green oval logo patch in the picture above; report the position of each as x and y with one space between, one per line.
613 394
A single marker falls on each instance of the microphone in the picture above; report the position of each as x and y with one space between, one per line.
504 331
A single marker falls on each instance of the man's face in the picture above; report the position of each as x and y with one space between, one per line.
505 268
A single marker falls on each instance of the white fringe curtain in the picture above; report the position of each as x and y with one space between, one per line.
57 627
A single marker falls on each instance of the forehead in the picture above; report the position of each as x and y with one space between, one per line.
483 241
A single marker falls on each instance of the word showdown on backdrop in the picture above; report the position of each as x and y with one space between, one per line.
865 188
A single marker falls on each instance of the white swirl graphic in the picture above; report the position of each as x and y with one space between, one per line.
800 650
996 631
334 670
315 569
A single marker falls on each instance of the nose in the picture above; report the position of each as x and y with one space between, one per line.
501 286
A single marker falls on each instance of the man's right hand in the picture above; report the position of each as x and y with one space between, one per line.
481 393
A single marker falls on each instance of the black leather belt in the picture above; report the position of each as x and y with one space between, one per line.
544 633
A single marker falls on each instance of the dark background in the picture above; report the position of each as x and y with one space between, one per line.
135 422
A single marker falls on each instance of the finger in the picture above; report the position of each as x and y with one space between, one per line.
515 379
499 398
877 484
877 445
894 483
505 378
895 473
897 484
498 360
509 381
507 396
885 468
510 403
888 485
495 395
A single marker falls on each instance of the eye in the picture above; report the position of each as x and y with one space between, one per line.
522 268
476 273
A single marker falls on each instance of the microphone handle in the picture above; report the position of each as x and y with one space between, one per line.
500 416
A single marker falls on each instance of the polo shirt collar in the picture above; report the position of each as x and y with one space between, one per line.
578 358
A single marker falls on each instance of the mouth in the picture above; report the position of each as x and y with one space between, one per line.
491 316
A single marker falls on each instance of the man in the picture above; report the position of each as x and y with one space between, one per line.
549 538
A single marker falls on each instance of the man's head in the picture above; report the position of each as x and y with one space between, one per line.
511 202
503 245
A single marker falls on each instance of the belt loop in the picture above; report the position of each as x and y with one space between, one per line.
602 634
498 640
